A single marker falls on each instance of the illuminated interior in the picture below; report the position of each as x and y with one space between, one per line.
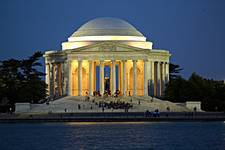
119 78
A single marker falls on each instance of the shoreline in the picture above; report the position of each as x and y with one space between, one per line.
113 117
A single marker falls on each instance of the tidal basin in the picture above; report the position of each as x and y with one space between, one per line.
139 135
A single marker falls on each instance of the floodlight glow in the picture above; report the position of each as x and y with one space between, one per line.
107 38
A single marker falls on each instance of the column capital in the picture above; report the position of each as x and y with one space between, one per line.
152 61
113 60
79 60
101 61
90 60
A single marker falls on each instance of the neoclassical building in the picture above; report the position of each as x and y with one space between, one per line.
107 54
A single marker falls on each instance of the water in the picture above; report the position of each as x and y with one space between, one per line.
151 136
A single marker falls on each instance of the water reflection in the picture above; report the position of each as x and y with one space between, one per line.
125 135
105 123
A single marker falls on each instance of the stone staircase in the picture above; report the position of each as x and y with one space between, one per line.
70 104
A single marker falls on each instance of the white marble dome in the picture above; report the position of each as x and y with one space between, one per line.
107 26
106 29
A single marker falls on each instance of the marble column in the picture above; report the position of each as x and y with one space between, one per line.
51 82
151 83
94 75
150 79
113 76
154 79
124 78
69 77
102 80
166 73
158 79
47 76
90 78
63 78
145 79
134 77
163 79
79 77
57 80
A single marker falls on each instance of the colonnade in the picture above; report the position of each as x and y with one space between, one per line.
155 76
54 79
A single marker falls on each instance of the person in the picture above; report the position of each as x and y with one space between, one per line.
65 110
126 108
168 110
152 99
129 93
195 109
139 102
10 110
147 113
157 113
78 106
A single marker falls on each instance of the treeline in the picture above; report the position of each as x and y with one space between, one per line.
20 81
210 92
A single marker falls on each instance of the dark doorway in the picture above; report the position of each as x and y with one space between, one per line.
107 78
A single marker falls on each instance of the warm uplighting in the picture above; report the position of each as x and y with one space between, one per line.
107 38
73 45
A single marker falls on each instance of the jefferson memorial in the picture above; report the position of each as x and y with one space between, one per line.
107 54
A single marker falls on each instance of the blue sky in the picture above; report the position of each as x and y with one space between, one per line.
193 31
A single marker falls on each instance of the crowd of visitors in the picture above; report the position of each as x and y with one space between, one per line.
155 113
115 105
106 93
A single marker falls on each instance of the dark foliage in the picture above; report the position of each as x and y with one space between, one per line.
20 81
210 92
174 71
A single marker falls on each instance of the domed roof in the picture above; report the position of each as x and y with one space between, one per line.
107 26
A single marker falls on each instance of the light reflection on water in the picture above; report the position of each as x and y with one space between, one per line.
125 135
104 123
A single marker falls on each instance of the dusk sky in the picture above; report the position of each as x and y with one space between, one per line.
192 30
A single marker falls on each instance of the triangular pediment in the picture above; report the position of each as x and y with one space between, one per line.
107 47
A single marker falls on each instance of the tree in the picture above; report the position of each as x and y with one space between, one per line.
33 88
174 71
20 81
176 90
210 92
10 79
